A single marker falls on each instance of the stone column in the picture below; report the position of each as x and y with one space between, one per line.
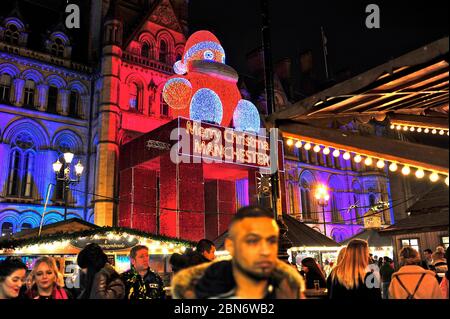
4 158
63 102
42 97
18 91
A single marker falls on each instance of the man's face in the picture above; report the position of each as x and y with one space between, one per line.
253 244
211 254
427 255
141 262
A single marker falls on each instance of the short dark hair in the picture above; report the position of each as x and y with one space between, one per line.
251 212
428 250
135 249
92 257
9 266
204 245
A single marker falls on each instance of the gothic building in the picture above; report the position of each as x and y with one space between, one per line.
86 91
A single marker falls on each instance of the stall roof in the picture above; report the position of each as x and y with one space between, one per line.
419 223
372 236
415 83
299 234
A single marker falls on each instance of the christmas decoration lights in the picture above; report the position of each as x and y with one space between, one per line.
177 93
206 106
246 117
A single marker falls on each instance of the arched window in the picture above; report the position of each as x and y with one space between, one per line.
5 88
14 173
74 103
164 107
27 186
21 167
145 51
163 52
305 194
26 226
334 187
30 88
372 200
52 99
7 229
134 97
58 48
12 35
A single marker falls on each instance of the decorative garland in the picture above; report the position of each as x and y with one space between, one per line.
62 236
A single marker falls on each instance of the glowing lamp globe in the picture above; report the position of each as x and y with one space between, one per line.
308 146
336 153
206 106
246 117
406 170
380 164
289 142
420 173
177 92
419 130
298 144
347 156
399 127
441 132
427 130
392 126
434 177
317 148
358 159
412 129
326 151
405 128
447 181
434 132
368 161
393 167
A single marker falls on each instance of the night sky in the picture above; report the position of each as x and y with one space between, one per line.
405 26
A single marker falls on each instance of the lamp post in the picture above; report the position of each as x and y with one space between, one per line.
323 197
66 179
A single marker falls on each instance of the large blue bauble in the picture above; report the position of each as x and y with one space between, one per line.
206 106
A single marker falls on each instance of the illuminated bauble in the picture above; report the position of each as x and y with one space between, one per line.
406 170
434 177
420 173
180 68
206 106
347 156
246 117
393 167
177 92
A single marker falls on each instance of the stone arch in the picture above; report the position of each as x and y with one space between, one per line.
60 35
9 69
31 217
179 50
69 137
167 37
149 38
309 177
56 80
9 216
33 74
37 131
53 217
15 21
79 87
136 78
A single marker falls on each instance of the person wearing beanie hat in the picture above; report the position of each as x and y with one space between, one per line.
101 281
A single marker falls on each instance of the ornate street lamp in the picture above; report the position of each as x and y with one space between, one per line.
66 179
323 197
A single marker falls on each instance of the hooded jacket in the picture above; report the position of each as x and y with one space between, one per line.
216 280
410 276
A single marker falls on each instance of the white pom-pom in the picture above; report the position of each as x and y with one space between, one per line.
180 68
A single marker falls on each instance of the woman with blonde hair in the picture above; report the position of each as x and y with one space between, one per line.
351 278
46 281
412 281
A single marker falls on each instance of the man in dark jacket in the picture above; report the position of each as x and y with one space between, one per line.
204 253
386 272
140 281
254 272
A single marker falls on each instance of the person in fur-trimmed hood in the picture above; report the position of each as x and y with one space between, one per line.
254 271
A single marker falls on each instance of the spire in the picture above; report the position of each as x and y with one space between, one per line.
15 12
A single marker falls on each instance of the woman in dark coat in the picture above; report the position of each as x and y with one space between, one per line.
313 273
100 281
352 279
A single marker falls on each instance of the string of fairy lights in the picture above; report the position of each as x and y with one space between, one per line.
380 163
419 129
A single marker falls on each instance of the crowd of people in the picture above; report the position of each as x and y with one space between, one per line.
253 271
